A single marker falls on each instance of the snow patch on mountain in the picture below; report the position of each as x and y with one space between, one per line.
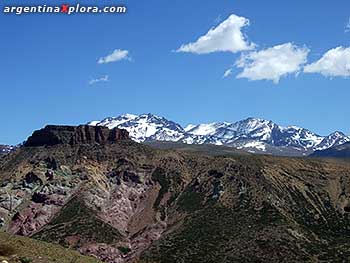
145 127
334 139
189 127
254 144
206 129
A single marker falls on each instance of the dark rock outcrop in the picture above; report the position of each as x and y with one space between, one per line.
75 135
32 178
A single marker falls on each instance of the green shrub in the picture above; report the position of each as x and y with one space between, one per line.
25 260
124 250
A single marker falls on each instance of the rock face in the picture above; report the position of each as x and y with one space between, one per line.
74 135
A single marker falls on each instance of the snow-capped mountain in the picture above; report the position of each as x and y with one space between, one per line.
251 134
145 127
334 139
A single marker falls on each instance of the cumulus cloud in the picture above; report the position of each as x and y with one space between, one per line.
227 36
272 63
101 79
334 63
227 73
116 55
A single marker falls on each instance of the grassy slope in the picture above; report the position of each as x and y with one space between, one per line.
23 249
219 234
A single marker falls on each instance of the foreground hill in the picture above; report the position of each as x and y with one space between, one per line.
96 191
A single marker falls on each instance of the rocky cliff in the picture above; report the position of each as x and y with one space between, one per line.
74 135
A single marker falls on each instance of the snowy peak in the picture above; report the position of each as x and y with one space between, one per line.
252 124
252 134
250 127
334 139
189 127
254 128
144 127
113 122
299 137
205 129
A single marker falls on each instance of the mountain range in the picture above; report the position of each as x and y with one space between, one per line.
252 134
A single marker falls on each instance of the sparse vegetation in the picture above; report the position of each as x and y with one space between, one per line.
124 250
25 260
17 249
75 219
6 250
160 177
190 200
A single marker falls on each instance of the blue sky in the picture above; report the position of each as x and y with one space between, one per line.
47 62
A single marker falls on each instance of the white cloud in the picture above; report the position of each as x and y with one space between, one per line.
116 55
101 79
227 73
272 63
227 36
347 27
334 63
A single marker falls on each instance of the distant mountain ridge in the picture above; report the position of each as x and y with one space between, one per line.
337 151
251 134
